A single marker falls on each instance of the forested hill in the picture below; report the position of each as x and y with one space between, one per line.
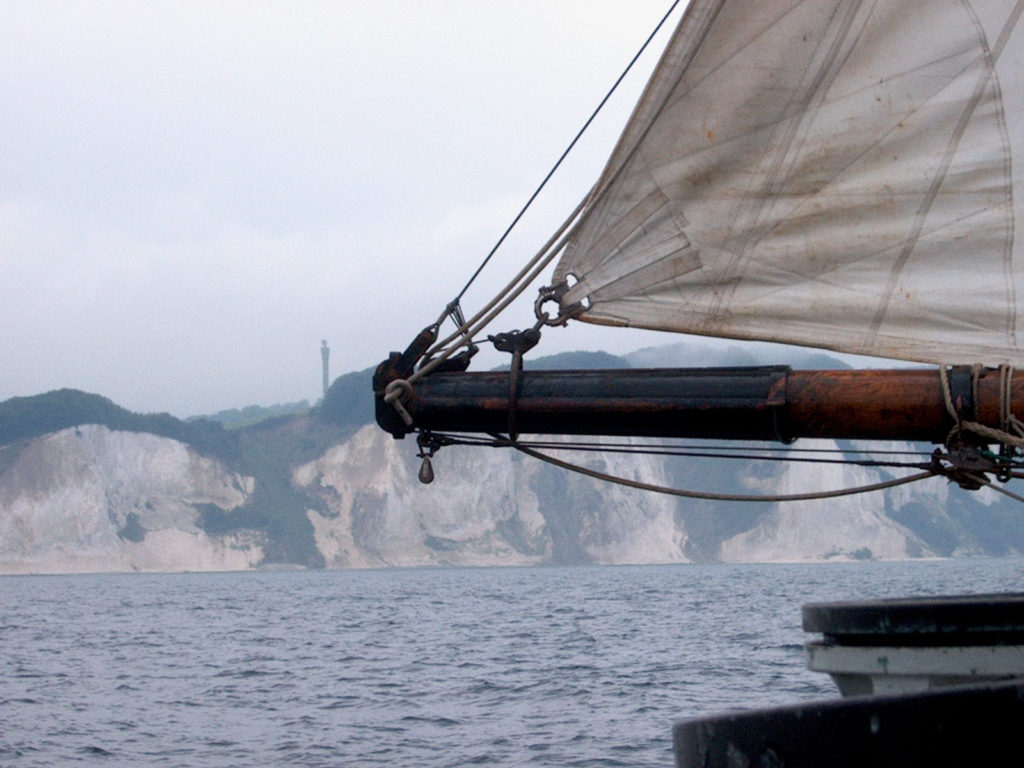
24 418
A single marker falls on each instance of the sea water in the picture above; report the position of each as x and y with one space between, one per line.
571 666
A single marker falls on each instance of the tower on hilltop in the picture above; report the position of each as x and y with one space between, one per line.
325 353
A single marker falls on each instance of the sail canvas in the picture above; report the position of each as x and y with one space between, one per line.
828 173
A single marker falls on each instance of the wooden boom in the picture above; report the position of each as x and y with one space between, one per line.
764 403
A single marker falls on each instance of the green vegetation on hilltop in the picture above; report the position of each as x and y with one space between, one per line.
349 401
567 361
271 450
23 418
233 418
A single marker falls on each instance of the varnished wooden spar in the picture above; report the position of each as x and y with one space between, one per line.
767 403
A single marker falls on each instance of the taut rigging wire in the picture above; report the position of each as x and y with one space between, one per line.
930 468
565 153
441 350
640 485
747 453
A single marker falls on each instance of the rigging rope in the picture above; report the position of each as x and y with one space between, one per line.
718 496
526 448
465 330
506 296
566 152
998 489
932 468
708 452
400 388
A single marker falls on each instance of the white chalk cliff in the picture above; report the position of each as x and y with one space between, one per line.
92 499
486 507
497 507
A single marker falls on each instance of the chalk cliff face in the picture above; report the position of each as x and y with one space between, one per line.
92 499
835 528
497 507
486 507
491 507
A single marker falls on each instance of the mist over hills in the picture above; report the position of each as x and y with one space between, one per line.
87 485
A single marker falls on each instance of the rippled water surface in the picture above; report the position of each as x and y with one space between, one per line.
585 666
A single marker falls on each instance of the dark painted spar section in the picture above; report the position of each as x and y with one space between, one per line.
764 403
732 402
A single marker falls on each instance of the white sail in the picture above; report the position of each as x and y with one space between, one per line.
832 173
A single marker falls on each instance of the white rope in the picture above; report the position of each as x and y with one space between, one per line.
462 336
1007 420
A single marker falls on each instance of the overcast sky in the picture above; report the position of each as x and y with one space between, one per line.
194 194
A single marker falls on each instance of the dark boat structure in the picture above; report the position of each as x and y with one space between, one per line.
925 682
840 174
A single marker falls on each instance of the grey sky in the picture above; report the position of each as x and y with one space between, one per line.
193 195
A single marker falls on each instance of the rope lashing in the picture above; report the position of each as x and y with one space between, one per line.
1008 422
1007 419
397 391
